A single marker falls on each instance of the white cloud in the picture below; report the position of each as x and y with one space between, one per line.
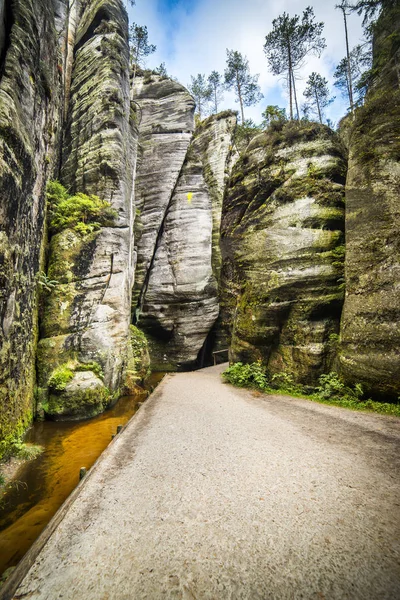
196 41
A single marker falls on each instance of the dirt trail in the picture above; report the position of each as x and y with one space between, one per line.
217 493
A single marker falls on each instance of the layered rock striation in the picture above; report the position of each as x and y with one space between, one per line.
30 103
165 112
178 302
85 325
370 332
282 242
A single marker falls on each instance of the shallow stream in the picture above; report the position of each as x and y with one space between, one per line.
42 485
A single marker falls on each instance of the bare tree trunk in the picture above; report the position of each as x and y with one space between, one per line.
343 8
295 98
318 106
240 98
290 84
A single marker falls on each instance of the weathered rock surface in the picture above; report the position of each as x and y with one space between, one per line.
282 240
370 332
180 296
87 315
30 95
166 122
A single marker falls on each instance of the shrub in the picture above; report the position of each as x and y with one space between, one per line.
331 385
80 212
247 375
285 383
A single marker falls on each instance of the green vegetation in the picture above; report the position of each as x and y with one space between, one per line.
239 79
84 214
25 451
91 366
45 282
60 377
331 388
288 44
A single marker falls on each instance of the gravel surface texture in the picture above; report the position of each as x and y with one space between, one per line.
211 492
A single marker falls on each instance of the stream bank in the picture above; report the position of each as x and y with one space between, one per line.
43 484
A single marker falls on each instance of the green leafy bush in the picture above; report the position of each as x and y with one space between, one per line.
247 375
331 385
285 383
80 212
331 389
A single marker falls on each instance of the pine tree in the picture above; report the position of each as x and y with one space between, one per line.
238 77
287 45
317 94
344 7
201 92
272 114
161 70
139 45
216 83
360 59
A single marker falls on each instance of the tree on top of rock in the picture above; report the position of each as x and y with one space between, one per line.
201 92
216 83
273 114
317 94
139 45
360 59
238 77
287 45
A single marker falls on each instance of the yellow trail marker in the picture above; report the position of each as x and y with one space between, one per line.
189 197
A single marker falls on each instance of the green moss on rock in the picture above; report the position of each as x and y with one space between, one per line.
282 227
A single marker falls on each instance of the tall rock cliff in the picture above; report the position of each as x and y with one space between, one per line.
179 188
30 102
282 241
166 124
370 333
85 325
178 300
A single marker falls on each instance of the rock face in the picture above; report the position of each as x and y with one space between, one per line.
178 302
282 241
30 100
370 333
87 316
166 124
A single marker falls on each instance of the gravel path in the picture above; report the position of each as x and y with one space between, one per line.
217 493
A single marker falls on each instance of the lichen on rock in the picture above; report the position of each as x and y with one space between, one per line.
370 331
282 231
88 311
30 112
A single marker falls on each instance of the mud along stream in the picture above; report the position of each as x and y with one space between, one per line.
43 484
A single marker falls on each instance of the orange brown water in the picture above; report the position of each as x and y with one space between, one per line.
42 485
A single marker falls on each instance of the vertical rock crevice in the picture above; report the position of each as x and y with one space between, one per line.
180 305
165 131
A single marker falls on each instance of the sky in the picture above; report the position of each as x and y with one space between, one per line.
192 37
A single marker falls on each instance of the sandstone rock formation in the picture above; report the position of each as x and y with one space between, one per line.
178 302
282 241
30 99
370 332
87 316
166 124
